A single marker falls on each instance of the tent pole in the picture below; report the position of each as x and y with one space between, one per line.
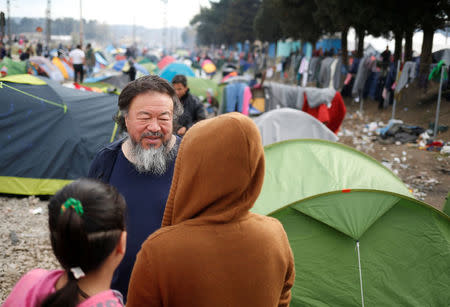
361 102
395 100
438 102
360 275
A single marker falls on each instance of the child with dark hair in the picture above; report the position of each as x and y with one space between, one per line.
88 237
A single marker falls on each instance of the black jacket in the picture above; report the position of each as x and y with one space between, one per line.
194 111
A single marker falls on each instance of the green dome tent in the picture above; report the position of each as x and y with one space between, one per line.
357 236
380 248
297 169
49 134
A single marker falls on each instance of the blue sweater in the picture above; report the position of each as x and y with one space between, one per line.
146 196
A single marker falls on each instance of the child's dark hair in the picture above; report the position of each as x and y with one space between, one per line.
83 241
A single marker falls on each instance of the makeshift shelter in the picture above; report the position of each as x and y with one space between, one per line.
48 68
59 64
287 124
49 133
356 235
165 61
174 69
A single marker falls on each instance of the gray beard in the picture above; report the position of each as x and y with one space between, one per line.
152 160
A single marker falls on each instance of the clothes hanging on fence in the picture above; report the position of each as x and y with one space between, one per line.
361 76
332 115
236 97
325 72
283 96
407 75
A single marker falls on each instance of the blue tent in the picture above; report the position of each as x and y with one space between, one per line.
174 69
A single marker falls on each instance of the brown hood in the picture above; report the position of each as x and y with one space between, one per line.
219 171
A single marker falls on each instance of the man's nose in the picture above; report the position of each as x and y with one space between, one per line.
153 125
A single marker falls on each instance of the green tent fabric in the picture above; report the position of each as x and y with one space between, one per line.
298 169
49 133
151 67
199 86
367 246
13 67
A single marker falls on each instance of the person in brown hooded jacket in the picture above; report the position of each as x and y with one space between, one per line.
211 251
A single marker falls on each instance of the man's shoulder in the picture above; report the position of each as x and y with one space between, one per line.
104 159
114 146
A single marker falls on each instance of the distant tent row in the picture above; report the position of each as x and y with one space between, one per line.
49 134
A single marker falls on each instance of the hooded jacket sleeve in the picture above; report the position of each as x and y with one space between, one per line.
143 289
285 297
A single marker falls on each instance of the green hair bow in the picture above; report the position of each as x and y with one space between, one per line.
75 204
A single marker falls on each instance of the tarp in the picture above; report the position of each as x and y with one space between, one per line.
174 69
376 247
287 124
58 63
48 67
298 169
49 133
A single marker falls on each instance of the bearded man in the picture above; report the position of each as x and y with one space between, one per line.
141 165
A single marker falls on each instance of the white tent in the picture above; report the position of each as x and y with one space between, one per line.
287 124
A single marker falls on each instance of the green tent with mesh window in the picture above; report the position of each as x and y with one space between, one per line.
358 237
49 133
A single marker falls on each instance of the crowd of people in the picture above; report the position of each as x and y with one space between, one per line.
164 219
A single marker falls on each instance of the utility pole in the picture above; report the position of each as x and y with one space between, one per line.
2 26
81 25
48 32
8 10
164 36
134 31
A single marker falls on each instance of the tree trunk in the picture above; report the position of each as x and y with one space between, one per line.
408 44
398 35
361 33
425 58
344 47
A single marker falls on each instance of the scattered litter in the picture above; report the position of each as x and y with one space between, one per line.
445 150
13 237
387 164
37 211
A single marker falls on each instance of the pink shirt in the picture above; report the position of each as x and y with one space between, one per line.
36 285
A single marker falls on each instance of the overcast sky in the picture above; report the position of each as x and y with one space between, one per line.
147 13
